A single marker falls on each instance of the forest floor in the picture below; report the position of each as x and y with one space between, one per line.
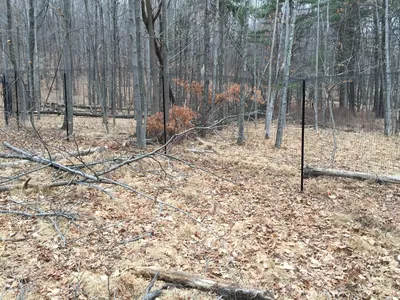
253 228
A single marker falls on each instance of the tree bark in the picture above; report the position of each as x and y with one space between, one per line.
68 118
287 59
316 88
240 140
224 290
165 65
310 172
31 49
138 74
155 107
388 108
270 100
205 75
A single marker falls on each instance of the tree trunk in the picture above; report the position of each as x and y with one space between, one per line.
388 109
316 88
104 103
138 76
155 107
287 59
22 93
11 48
68 117
240 140
165 65
113 88
270 99
215 61
206 78
31 49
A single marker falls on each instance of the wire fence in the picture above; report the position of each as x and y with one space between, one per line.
347 111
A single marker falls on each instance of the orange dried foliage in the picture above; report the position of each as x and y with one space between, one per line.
180 119
230 94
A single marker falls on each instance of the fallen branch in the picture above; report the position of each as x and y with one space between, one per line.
200 151
55 157
80 152
12 187
13 163
85 114
310 172
42 214
224 290
13 240
137 238
97 178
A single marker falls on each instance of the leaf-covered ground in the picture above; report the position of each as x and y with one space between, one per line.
340 238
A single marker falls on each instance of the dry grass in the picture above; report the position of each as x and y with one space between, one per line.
340 238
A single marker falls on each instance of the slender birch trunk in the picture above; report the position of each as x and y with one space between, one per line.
287 59
270 100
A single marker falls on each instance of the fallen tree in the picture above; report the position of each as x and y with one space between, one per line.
310 172
223 290
85 114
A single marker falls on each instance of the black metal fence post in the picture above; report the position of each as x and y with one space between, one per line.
302 135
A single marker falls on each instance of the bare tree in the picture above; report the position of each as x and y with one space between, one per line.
388 108
240 140
68 117
270 99
290 27
165 65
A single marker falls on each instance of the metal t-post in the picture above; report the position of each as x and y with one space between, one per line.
302 135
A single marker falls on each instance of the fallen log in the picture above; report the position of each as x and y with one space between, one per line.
58 106
85 114
223 290
310 172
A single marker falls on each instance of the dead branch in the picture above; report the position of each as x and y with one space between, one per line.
310 172
200 151
224 290
12 187
42 214
97 178
139 157
196 167
23 161
137 238
85 114
12 164
44 161
78 153
13 240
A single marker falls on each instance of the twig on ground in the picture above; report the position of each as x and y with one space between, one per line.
97 187
44 214
196 167
152 282
139 237
13 241
23 174
60 234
